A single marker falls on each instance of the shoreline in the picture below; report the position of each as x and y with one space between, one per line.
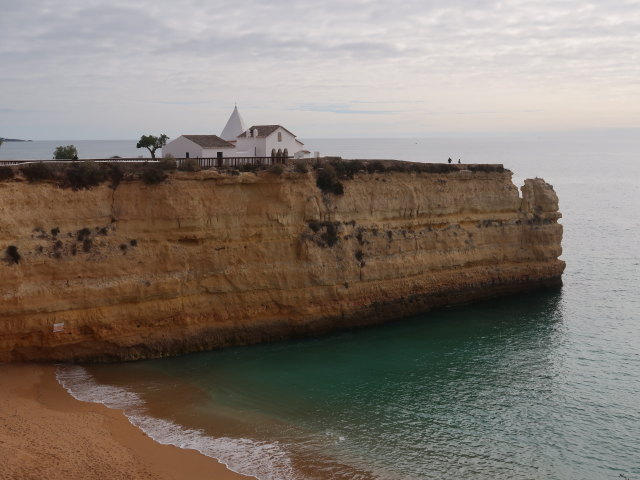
46 433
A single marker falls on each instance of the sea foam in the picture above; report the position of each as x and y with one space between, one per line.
263 460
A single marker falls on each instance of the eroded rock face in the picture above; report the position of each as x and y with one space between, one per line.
205 260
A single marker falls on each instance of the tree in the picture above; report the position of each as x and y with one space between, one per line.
1 141
65 153
152 143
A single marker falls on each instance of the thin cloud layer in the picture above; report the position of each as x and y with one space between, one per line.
95 69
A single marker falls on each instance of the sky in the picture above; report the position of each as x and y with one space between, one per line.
90 69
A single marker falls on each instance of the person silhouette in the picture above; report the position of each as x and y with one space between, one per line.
449 159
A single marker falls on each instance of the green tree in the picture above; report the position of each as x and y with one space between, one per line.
65 153
152 143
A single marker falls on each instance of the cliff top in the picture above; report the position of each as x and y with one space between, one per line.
330 170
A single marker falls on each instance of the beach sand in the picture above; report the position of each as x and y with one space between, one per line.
46 433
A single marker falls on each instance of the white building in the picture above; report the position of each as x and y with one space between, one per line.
268 141
237 141
199 146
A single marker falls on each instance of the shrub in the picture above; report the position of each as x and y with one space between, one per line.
85 175
82 234
116 175
438 168
65 153
276 169
328 232
327 181
189 165
375 167
315 226
153 175
12 254
38 171
486 168
6 173
55 231
301 165
168 162
352 167
248 167
338 166
86 245
330 236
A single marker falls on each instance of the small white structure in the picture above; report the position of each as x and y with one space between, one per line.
199 146
234 127
268 141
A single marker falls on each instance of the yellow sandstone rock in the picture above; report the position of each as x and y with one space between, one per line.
205 260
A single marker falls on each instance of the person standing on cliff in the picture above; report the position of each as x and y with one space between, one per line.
449 159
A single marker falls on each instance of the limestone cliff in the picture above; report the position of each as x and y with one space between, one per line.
205 260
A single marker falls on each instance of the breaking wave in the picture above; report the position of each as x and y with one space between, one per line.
263 460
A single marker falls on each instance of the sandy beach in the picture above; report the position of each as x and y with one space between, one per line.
46 433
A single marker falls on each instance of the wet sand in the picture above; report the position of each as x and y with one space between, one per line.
46 433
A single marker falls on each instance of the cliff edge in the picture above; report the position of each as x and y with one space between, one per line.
207 260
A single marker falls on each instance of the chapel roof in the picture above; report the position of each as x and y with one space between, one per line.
234 127
264 130
209 141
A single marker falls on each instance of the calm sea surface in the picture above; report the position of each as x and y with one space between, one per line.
538 386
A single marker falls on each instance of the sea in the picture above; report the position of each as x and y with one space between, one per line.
544 385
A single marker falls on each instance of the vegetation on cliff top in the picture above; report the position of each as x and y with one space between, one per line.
330 172
152 143
70 152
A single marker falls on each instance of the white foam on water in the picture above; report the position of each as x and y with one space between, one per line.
263 460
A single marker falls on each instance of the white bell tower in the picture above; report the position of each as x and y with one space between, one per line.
234 127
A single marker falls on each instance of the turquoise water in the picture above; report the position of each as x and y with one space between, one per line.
544 385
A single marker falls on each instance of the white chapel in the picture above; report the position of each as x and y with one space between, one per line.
238 141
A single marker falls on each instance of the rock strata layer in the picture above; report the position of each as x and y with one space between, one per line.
206 260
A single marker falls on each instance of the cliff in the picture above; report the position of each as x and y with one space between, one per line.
206 260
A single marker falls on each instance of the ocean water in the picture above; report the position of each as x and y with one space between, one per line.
87 149
544 385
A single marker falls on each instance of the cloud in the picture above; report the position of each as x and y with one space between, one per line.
341 109
14 110
181 103
311 56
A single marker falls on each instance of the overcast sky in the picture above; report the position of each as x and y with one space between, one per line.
90 69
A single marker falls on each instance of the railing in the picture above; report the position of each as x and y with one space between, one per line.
97 160
204 163
211 162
